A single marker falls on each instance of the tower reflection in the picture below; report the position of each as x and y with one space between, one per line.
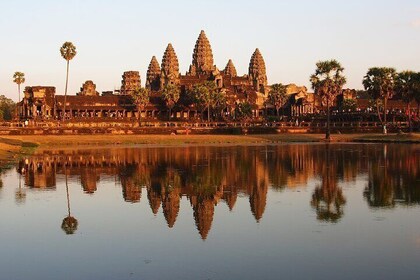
207 176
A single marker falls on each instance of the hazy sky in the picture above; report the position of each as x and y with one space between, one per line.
115 36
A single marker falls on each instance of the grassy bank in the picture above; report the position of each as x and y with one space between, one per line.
390 138
95 140
11 147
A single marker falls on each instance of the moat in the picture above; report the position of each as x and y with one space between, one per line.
292 211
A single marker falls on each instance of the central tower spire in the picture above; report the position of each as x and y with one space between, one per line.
202 56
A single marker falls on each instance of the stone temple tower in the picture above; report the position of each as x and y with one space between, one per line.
170 67
202 62
130 82
257 72
230 69
88 89
153 75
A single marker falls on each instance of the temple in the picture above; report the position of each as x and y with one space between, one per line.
41 103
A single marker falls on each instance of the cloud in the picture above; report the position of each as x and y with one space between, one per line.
416 23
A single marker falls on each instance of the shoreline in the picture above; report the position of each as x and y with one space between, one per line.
13 147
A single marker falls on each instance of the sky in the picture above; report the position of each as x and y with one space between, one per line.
116 36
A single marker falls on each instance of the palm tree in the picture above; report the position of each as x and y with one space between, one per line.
327 83
141 99
68 52
19 78
170 95
379 82
408 86
278 96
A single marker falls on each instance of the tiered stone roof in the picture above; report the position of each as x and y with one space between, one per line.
257 71
171 206
153 74
88 88
230 69
170 66
130 82
202 56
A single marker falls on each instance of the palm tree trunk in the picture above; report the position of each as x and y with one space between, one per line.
17 107
68 195
208 113
328 132
410 128
65 91
385 101
169 113
379 113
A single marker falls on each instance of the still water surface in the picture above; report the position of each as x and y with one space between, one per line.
300 211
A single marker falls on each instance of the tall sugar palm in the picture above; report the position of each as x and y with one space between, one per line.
68 52
19 78
327 82
379 82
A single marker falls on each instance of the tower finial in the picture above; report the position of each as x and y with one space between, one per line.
202 56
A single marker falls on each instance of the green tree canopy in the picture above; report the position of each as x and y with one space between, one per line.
407 85
141 97
170 94
278 96
379 82
206 95
243 111
7 108
68 51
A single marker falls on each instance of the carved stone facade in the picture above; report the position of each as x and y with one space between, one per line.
170 68
153 75
250 88
257 72
38 101
130 82
88 89
230 69
202 62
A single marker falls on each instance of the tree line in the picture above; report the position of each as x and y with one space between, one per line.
381 84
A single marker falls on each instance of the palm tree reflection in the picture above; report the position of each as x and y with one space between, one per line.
20 195
206 176
69 224
328 199
394 178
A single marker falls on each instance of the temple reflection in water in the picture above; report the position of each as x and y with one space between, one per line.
208 175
